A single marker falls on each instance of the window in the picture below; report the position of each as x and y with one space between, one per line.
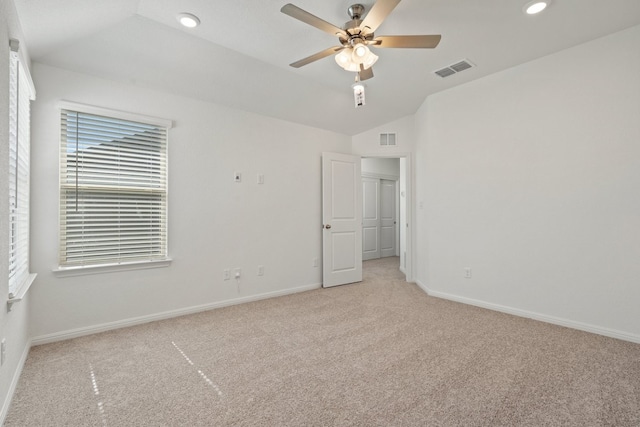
20 94
113 188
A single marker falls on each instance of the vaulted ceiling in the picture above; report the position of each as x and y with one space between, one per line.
239 55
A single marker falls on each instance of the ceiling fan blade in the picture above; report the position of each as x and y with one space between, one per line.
380 10
424 42
365 74
314 21
322 54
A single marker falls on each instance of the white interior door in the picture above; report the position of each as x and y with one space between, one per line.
370 218
342 219
387 218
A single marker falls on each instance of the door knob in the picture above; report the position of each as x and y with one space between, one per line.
328 226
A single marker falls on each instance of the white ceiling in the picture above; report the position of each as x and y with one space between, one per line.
239 55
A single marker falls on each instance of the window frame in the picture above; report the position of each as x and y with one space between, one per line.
95 268
21 93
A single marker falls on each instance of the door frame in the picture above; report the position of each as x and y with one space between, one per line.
409 205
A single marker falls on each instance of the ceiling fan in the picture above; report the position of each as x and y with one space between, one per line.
355 37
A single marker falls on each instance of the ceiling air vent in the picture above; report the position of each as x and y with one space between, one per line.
445 72
387 139
454 68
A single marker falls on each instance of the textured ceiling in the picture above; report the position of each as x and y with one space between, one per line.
240 53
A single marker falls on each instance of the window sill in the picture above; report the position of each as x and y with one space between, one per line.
109 268
19 294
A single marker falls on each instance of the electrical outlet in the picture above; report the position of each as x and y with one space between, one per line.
3 350
226 274
261 270
467 272
260 178
315 262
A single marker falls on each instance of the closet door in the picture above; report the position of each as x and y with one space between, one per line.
387 218
370 218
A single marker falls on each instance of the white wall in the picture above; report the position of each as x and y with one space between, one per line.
14 325
214 223
368 143
531 177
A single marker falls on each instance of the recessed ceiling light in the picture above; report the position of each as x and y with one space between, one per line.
536 6
188 20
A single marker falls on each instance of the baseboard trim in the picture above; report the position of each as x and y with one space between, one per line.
423 287
79 332
14 383
586 327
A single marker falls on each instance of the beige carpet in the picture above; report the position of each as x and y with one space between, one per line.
378 353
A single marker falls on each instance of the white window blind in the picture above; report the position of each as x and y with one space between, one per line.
20 95
113 190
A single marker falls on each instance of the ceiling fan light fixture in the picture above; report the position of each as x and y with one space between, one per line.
360 50
370 60
536 6
360 53
344 59
188 20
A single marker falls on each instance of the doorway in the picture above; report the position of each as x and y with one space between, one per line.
386 213
342 216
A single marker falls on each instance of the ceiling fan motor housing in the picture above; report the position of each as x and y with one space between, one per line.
356 11
355 35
